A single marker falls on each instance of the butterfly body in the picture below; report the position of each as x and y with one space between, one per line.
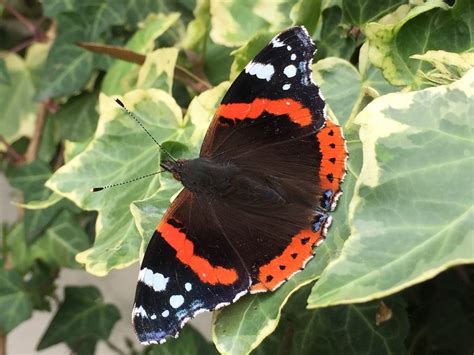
255 202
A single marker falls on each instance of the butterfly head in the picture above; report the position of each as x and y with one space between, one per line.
175 167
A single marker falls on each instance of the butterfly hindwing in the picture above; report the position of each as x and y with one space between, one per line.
177 280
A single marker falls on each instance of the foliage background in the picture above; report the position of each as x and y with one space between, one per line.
396 75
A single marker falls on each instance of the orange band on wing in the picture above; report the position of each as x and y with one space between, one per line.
333 156
185 253
292 108
292 260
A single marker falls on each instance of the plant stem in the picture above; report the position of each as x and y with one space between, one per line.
35 142
27 23
113 347
3 344
10 150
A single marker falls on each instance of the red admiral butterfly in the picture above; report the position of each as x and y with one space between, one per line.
254 203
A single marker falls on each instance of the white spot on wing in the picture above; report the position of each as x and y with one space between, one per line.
153 316
139 311
277 43
165 314
155 280
176 301
293 56
290 71
288 47
262 71
188 286
286 86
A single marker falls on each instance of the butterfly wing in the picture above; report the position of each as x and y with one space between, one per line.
206 252
272 125
179 279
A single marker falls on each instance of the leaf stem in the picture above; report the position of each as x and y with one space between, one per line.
33 147
113 347
10 150
3 344
185 72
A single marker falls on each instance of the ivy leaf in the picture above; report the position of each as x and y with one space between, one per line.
122 76
77 118
158 70
41 204
16 100
30 179
51 8
403 230
4 76
431 26
334 73
19 253
15 305
197 31
362 11
61 242
350 329
334 39
306 13
82 317
447 66
119 151
190 342
228 31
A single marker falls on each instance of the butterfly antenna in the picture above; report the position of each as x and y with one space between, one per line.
97 189
132 115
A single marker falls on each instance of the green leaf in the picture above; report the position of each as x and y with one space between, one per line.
77 118
120 150
306 13
15 305
18 250
30 179
68 67
217 62
333 74
158 70
83 316
362 11
16 100
441 316
197 31
4 76
51 8
122 76
61 242
431 26
334 39
190 342
229 30
403 230
53 199
350 329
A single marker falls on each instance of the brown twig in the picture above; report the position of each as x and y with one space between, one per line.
197 83
27 23
33 147
11 151
3 344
